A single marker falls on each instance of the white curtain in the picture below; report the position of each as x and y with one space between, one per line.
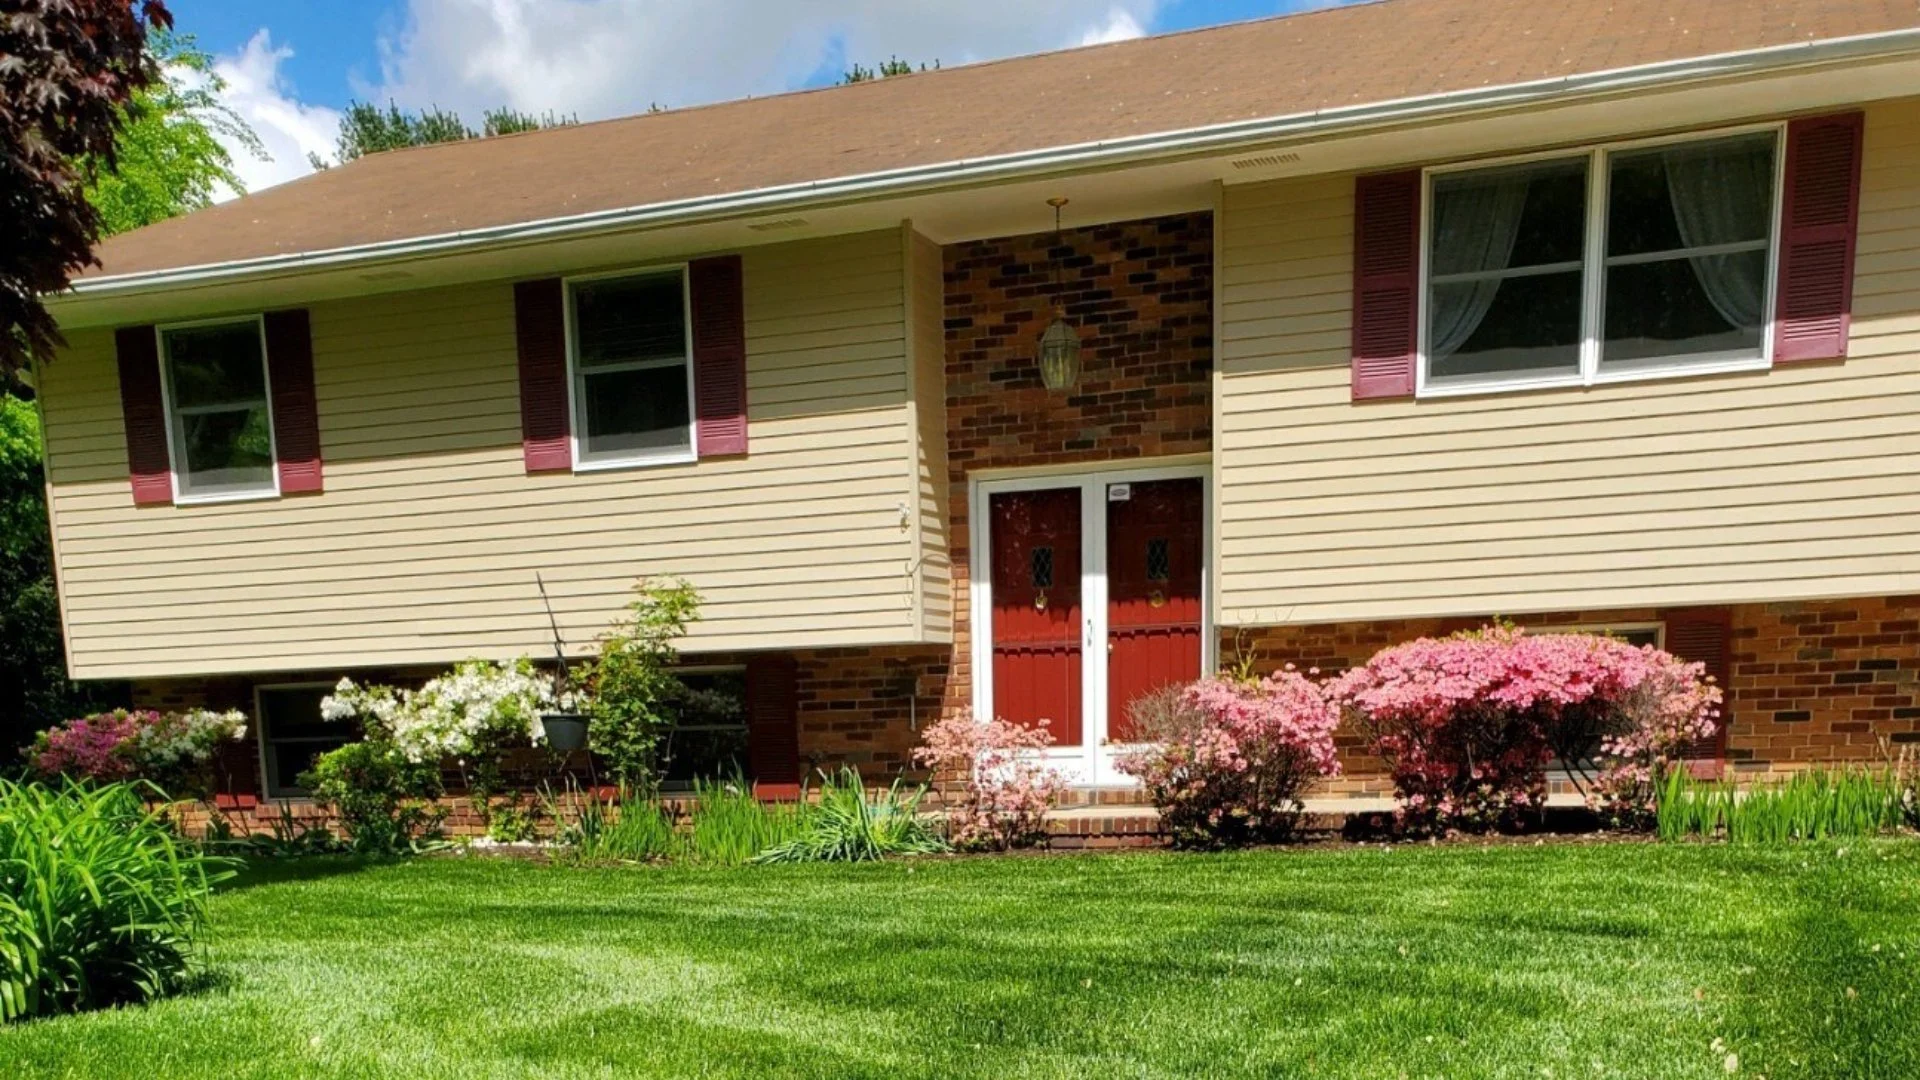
1474 228
1722 196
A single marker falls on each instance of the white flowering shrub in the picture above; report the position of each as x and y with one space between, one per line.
475 709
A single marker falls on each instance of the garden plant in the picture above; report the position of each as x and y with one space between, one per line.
1004 786
1227 760
100 902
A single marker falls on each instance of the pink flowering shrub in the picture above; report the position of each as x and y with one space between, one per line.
93 748
173 751
1467 724
1006 789
1227 761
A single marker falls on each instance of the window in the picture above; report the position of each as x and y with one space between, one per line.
1609 264
1635 634
292 735
632 380
219 428
708 736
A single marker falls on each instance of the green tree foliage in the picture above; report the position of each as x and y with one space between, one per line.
170 157
366 128
891 66
68 71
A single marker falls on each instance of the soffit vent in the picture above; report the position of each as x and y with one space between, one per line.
1266 161
778 225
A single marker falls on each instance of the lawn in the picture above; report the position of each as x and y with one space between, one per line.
1562 961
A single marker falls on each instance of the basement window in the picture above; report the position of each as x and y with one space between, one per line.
707 736
292 735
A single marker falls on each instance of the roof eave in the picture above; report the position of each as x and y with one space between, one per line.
919 180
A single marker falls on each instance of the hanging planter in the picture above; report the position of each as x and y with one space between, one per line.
566 731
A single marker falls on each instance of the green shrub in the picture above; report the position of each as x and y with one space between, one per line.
631 681
99 902
383 801
618 829
730 826
848 826
1815 804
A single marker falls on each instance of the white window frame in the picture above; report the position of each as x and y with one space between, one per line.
576 382
1594 263
176 454
260 736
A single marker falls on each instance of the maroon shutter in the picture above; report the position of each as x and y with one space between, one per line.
296 424
1386 284
145 412
539 313
1705 636
1819 220
773 727
719 355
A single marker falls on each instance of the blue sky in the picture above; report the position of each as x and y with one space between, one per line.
335 51
291 65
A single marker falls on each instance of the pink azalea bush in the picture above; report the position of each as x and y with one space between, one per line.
90 748
1467 724
174 751
1227 760
1006 789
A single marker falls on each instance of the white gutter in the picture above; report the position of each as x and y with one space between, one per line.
1027 163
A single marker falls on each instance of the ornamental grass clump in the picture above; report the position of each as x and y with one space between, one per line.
1851 802
100 903
849 825
729 826
1005 787
1467 724
1226 761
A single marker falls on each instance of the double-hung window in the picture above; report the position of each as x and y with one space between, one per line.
219 423
629 355
1614 263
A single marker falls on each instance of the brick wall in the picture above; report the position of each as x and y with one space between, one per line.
867 707
1824 681
1141 293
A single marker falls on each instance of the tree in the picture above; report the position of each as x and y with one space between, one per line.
368 129
171 155
891 66
69 73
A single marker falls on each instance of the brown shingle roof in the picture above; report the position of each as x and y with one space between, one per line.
1373 52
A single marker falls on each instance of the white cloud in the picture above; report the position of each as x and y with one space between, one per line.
1120 26
601 58
288 128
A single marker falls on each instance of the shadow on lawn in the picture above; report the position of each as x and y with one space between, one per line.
251 872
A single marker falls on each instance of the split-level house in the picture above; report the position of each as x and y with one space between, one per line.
1390 319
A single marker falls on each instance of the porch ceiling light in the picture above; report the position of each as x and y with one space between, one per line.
1059 353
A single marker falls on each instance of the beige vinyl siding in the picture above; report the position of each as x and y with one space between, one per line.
424 546
1792 483
927 371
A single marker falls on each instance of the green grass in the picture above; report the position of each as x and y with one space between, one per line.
1607 960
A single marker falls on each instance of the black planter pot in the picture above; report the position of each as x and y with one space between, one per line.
565 731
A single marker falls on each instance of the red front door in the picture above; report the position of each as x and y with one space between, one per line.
1153 592
1035 558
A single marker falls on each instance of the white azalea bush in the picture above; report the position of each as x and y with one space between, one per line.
478 707
472 716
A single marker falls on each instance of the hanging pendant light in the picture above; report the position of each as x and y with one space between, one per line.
1059 353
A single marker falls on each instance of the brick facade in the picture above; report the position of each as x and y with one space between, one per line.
1141 293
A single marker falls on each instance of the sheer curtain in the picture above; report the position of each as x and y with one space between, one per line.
1474 227
1723 195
